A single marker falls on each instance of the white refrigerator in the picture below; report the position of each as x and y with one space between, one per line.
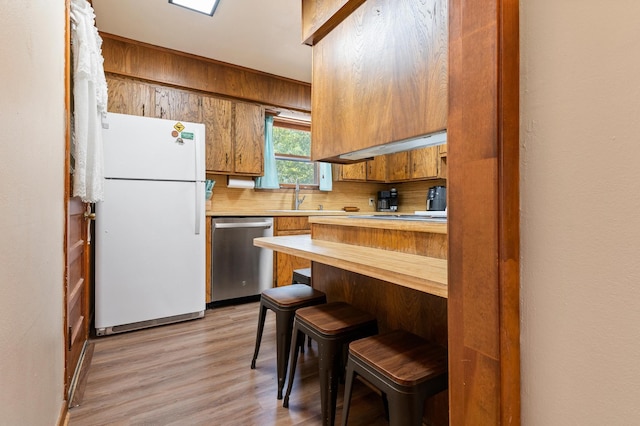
150 228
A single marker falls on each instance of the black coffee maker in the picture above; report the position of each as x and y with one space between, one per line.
387 201
437 198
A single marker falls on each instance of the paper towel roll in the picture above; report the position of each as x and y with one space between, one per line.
240 182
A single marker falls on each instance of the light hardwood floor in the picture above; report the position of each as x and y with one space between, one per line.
198 373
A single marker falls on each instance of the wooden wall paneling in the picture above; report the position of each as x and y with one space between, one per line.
394 307
483 213
143 61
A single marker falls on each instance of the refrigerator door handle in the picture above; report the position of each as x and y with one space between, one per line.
199 196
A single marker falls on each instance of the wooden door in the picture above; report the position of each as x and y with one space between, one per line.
249 139
77 285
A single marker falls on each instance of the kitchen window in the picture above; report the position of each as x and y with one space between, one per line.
292 146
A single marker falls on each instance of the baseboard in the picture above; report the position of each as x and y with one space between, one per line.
63 418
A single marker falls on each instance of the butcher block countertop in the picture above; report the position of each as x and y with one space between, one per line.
422 273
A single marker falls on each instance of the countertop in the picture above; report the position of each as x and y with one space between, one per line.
407 270
269 213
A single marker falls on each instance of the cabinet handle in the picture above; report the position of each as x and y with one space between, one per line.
240 158
143 110
226 158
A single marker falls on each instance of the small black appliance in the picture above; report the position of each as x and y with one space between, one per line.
437 198
387 201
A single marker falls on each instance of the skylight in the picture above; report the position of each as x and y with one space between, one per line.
203 6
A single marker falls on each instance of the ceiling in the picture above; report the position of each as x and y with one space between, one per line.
257 34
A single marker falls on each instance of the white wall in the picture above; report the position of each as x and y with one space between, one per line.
31 211
580 201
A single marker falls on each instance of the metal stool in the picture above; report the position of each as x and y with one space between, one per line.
284 301
332 326
405 367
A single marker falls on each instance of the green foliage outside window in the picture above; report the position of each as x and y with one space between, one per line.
293 152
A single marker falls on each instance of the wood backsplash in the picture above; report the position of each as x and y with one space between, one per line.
357 194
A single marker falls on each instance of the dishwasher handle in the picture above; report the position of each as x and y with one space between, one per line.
233 225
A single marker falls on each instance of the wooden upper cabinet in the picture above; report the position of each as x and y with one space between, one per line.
380 76
398 166
351 172
425 162
173 104
249 139
217 118
377 169
127 96
235 136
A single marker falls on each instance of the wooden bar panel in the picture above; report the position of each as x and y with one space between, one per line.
135 59
483 213
394 307
422 243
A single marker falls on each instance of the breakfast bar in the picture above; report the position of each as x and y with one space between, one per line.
393 268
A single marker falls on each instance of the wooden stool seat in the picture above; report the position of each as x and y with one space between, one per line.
405 367
284 301
332 326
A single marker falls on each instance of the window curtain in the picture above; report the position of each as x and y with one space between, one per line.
270 179
90 103
326 180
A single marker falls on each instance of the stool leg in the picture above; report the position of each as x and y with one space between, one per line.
347 393
405 409
329 363
284 324
261 317
294 360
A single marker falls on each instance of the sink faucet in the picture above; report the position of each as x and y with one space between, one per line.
297 198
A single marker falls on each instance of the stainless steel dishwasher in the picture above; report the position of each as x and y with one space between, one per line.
239 270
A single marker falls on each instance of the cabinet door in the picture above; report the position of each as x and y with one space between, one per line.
424 163
398 166
131 97
217 115
249 139
353 172
174 104
377 169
